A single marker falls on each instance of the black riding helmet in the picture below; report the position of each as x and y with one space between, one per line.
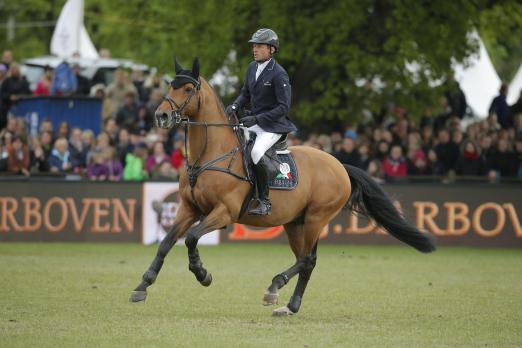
267 37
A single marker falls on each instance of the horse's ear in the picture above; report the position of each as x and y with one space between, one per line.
195 68
177 66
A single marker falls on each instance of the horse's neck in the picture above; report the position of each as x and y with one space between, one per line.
219 140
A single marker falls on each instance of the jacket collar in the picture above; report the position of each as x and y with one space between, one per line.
269 67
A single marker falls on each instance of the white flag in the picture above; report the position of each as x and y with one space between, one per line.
70 36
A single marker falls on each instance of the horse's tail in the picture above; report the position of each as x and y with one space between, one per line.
370 200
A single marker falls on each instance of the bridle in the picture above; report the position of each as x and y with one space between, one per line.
167 119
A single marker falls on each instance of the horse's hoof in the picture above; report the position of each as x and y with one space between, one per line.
208 280
270 298
138 296
282 312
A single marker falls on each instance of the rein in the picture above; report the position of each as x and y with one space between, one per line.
195 169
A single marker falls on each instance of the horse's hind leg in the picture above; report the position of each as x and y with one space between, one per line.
304 275
296 241
303 240
216 219
184 219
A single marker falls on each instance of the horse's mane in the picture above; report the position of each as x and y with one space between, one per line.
215 96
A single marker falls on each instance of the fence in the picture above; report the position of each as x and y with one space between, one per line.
483 215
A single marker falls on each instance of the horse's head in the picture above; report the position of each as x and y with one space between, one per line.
179 101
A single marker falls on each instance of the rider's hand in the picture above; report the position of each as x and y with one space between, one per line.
249 121
232 110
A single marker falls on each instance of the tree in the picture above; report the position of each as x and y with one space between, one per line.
343 57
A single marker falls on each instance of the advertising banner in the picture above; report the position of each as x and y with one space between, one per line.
160 205
462 215
70 211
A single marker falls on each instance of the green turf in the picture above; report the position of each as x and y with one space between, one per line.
73 295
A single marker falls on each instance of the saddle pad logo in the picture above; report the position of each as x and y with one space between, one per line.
284 172
284 175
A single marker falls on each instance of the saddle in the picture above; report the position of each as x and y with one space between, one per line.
282 171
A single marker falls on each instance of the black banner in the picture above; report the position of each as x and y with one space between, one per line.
70 211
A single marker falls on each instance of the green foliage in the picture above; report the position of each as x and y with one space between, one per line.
334 51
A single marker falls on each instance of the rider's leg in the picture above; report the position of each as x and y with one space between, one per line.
264 141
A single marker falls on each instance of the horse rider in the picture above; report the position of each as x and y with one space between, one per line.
267 89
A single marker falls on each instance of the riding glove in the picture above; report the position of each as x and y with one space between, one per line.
249 121
232 110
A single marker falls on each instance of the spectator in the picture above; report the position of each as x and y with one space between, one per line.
504 161
111 128
127 115
78 150
447 151
500 107
417 162
456 98
124 144
138 80
434 165
18 161
349 154
165 171
3 73
457 137
158 156
4 155
470 161
103 142
12 88
64 80
83 86
515 109
118 91
60 159
394 164
105 166
46 126
135 164
376 171
39 156
178 157
154 101
43 87
364 151
63 130
109 109
145 119
7 58
383 148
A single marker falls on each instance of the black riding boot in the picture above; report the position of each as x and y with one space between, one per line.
264 207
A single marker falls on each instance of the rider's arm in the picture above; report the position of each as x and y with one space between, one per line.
244 96
283 94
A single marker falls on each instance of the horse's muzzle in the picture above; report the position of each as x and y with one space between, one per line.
166 118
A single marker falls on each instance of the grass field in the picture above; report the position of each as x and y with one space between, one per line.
76 295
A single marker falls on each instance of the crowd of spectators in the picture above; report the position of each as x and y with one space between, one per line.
390 145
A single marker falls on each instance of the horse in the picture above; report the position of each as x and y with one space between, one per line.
215 186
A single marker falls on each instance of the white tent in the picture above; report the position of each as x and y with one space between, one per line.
70 36
515 87
479 81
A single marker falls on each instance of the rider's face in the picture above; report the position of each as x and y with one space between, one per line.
261 52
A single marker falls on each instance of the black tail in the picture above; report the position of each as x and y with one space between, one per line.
370 200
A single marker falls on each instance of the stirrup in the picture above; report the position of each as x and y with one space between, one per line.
264 207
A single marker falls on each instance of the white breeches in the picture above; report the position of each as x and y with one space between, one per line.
264 141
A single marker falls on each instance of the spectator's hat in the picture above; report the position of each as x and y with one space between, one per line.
350 134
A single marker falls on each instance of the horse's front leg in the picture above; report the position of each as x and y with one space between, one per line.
218 218
184 219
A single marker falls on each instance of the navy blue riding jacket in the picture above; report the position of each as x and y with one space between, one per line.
269 97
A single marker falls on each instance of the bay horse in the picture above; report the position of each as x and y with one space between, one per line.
214 187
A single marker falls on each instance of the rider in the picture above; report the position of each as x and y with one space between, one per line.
267 89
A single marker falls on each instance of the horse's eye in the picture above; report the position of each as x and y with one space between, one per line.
188 89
